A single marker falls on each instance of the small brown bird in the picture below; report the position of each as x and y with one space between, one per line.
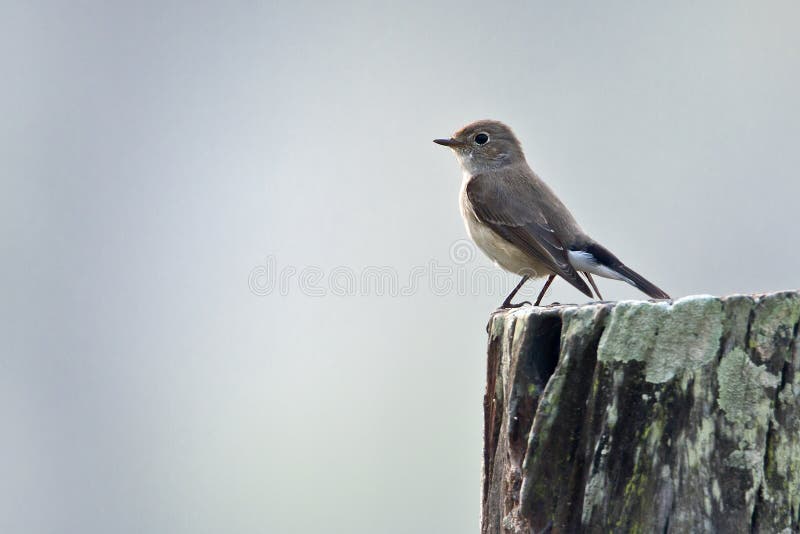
517 220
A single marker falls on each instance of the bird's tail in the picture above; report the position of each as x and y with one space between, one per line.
608 265
640 282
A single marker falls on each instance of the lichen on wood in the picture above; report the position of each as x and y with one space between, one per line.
644 417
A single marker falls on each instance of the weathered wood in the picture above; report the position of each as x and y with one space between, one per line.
644 417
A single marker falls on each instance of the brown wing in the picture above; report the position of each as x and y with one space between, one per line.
507 204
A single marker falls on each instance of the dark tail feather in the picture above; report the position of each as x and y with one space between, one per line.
606 258
640 282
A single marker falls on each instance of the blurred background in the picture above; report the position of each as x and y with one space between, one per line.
222 224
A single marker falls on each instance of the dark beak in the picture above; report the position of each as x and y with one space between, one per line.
448 142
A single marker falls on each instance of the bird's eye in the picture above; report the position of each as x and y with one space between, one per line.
481 138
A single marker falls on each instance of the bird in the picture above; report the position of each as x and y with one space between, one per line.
519 222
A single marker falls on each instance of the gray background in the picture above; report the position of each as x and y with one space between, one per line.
156 156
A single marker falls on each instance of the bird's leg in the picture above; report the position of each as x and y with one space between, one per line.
507 303
544 289
594 286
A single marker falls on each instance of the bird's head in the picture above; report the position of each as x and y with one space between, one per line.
484 145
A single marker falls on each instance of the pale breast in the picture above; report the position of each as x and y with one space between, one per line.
500 251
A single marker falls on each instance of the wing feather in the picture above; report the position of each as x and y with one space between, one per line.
507 204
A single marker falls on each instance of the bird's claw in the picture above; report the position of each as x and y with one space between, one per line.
509 306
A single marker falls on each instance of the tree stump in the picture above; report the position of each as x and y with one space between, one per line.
644 417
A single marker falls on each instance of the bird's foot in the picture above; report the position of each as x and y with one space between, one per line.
509 306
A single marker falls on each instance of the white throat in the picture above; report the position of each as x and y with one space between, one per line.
473 166
467 163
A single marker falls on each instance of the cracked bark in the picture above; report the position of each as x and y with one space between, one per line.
644 417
